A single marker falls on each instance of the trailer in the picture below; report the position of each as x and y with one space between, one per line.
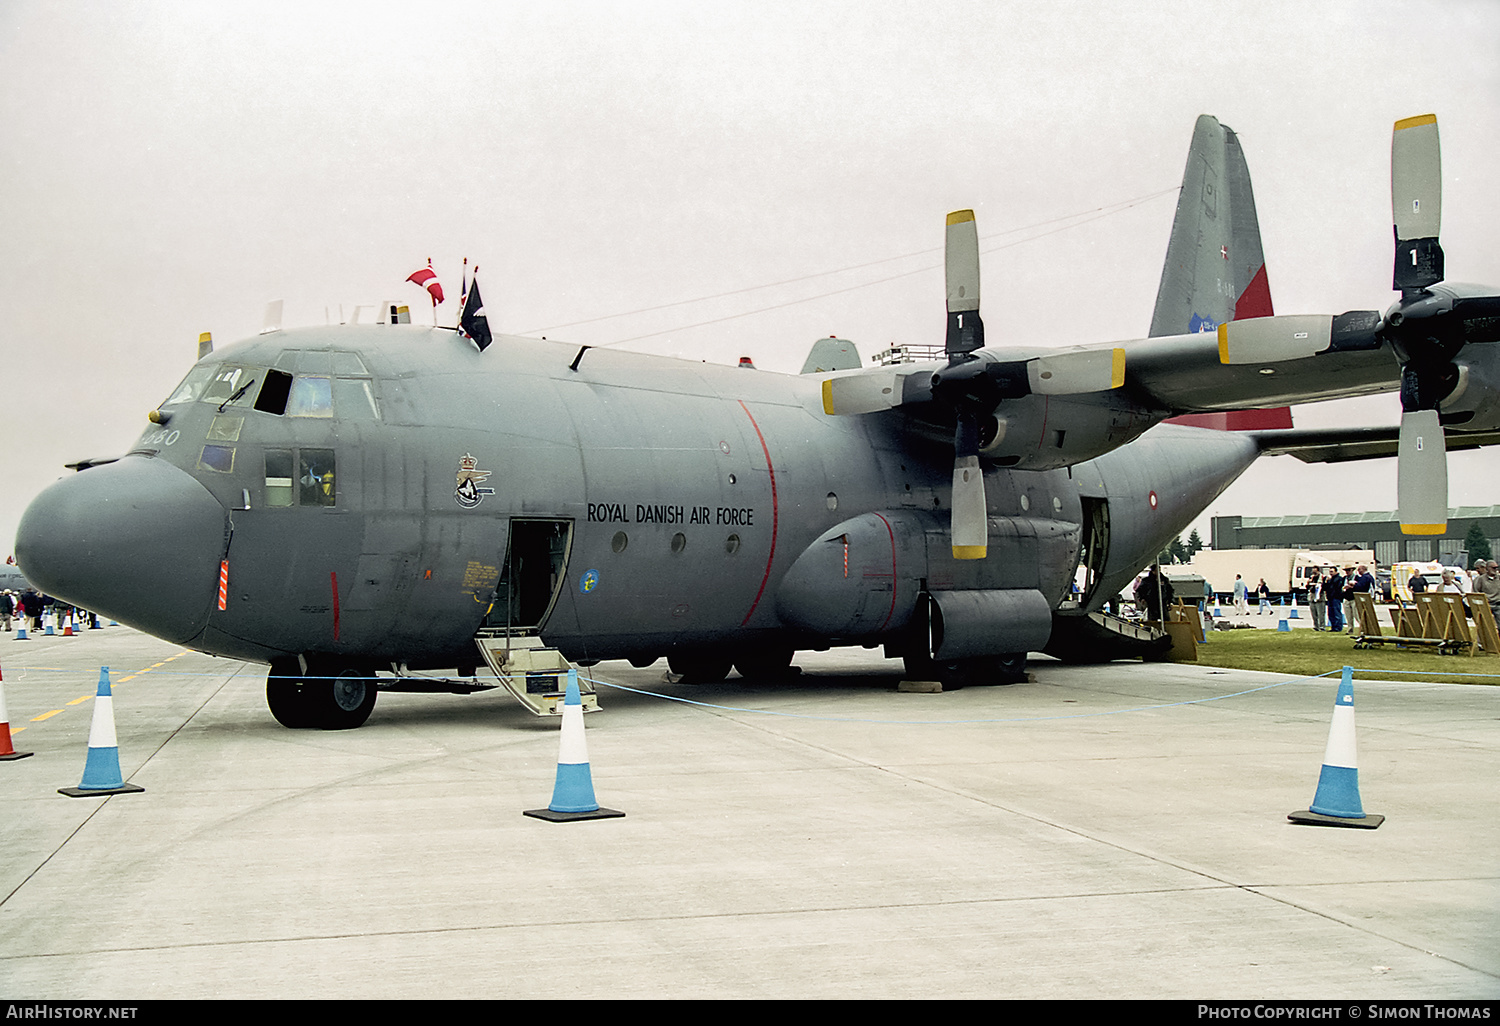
1284 570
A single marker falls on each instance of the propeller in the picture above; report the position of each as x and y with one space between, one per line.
972 383
976 380
957 382
1425 328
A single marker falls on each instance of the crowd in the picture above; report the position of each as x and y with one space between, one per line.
1330 593
29 608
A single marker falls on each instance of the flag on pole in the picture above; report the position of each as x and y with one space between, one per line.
427 278
474 323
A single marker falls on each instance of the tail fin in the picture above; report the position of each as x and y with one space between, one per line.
1215 270
831 354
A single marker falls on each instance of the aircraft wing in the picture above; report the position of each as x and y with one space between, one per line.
1342 445
1175 373
1183 374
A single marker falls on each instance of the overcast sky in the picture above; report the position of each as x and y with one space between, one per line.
168 168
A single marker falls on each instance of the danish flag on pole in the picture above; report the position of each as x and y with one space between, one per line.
427 278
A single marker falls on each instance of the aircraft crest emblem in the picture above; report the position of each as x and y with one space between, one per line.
468 492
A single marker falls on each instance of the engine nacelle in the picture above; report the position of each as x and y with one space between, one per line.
864 577
1042 432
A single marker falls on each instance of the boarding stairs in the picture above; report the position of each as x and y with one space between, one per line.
537 676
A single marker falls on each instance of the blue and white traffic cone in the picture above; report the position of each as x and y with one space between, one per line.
573 794
101 773
21 631
1337 800
1283 626
1294 615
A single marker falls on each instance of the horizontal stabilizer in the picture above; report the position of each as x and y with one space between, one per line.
1238 420
1344 445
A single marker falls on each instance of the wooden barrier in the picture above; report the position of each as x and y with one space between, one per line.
1484 626
1434 621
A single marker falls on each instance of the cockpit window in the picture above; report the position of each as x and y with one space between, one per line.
355 399
319 383
322 361
191 387
221 384
273 393
228 384
310 397
317 478
313 483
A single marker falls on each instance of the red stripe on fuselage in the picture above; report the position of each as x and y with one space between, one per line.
774 513
333 581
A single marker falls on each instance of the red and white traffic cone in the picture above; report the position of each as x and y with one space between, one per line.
7 750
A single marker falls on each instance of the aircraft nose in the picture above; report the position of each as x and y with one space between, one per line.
137 540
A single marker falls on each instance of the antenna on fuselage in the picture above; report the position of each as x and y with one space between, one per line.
272 318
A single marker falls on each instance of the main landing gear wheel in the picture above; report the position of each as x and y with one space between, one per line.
699 668
284 694
329 696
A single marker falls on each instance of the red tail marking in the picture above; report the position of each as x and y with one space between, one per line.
1255 301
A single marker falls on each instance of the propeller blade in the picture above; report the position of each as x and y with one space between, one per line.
1422 473
1077 373
970 519
961 270
1269 339
867 391
970 529
1417 202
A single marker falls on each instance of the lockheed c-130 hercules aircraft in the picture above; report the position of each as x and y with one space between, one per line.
350 503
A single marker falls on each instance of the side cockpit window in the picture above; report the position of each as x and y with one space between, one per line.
301 477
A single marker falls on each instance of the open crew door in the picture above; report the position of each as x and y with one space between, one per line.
1092 552
531 578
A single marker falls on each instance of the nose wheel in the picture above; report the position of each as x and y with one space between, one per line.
327 695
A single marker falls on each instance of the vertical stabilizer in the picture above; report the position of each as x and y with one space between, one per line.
1215 270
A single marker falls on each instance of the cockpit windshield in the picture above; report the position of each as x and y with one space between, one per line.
303 383
213 384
